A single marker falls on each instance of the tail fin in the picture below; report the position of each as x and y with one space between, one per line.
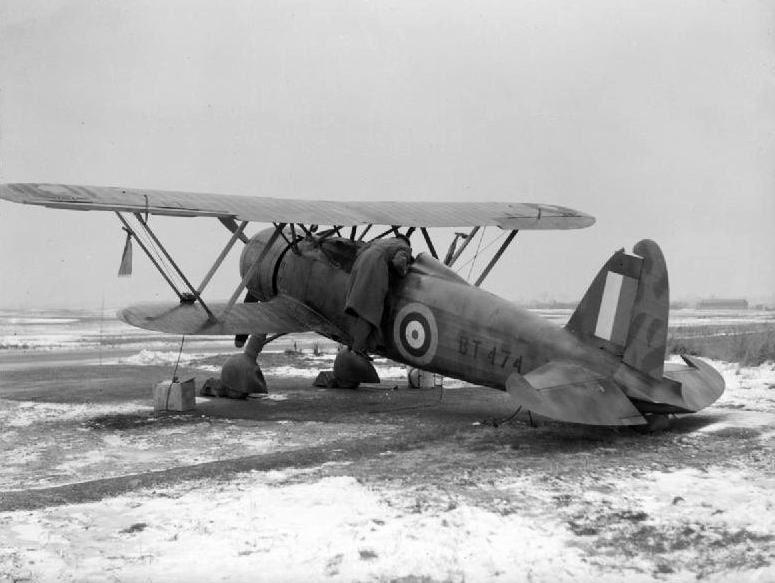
625 309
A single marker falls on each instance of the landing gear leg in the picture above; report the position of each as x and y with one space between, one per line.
351 369
241 374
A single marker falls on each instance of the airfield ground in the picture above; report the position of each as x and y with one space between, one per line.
381 484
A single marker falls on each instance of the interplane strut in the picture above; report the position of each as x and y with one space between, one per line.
496 257
278 231
194 294
238 233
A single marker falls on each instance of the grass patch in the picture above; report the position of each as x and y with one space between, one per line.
747 348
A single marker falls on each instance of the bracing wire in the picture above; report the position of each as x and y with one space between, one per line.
472 261
177 362
490 244
162 261
174 373
476 254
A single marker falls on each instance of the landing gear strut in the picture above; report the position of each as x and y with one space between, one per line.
350 370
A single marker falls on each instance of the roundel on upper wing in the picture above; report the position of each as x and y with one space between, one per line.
415 333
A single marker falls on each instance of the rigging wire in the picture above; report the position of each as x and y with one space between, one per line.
177 362
171 274
174 374
476 254
490 244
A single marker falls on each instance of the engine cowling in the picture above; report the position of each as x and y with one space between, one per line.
262 283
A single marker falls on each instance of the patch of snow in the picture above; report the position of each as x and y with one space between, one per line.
208 368
25 321
268 396
26 413
391 372
290 371
147 357
715 496
43 341
73 463
749 396
333 528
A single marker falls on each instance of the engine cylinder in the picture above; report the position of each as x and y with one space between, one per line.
262 281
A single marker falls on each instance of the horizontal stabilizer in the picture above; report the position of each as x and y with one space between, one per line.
569 392
281 315
701 384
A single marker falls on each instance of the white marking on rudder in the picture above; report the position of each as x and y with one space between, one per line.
608 303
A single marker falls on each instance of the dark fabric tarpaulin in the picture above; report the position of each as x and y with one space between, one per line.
369 279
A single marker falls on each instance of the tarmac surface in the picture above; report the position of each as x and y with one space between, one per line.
81 433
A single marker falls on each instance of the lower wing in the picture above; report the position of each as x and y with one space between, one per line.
279 316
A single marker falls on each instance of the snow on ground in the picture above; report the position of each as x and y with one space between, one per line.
263 526
701 318
65 454
280 526
292 525
51 444
749 396
42 341
26 413
309 368
695 524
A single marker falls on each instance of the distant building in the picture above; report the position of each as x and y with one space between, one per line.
722 304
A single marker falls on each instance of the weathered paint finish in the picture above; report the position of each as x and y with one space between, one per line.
568 391
474 335
648 328
436 321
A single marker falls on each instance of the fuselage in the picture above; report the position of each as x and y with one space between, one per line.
433 319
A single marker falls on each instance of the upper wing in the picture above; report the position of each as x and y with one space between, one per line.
277 210
281 315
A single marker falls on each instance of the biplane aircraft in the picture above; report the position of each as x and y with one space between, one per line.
606 366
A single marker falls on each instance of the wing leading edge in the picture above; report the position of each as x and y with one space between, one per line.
510 216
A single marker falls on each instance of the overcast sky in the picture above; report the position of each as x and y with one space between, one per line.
657 117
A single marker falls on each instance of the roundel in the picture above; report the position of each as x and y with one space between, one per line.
415 333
